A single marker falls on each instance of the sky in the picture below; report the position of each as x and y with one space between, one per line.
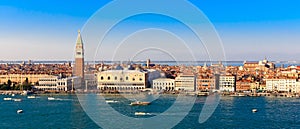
249 30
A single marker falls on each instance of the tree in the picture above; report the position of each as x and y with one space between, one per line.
4 87
9 83
26 82
26 85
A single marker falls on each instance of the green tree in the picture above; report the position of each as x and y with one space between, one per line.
26 82
9 83
5 87
26 85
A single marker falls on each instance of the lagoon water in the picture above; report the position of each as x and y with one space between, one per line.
232 112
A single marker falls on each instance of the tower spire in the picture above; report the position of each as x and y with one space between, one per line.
79 39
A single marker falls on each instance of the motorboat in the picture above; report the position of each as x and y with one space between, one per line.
19 111
17 100
7 99
111 101
141 113
31 97
139 103
51 98
254 110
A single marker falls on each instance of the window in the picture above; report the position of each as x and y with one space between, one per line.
133 79
101 77
126 78
116 77
108 78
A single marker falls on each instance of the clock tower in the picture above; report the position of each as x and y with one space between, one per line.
79 57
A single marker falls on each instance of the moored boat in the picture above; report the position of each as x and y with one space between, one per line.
139 103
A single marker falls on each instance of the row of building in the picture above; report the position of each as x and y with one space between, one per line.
226 84
43 82
190 82
139 80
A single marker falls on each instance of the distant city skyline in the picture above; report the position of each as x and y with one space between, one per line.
249 30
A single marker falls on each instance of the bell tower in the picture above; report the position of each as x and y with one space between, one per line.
79 57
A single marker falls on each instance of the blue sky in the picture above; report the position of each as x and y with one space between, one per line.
249 30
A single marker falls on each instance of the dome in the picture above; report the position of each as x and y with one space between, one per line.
118 67
130 67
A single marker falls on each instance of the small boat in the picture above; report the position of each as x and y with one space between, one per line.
7 99
289 96
13 95
111 101
139 103
141 113
24 92
19 111
31 97
17 100
51 98
254 110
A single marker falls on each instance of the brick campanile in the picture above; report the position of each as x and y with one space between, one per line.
79 57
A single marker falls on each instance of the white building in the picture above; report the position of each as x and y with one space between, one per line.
121 80
282 85
186 82
163 84
227 83
125 79
55 83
